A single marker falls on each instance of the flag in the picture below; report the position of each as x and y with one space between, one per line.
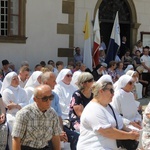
87 54
97 41
114 42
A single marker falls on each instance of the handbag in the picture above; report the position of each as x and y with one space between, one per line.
140 69
128 144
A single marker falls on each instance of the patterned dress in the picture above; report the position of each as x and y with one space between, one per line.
3 133
146 129
77 99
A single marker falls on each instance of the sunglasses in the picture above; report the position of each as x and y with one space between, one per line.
69 75
46 98
130 82
109 89
90 80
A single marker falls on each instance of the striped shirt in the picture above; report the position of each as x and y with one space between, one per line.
34 127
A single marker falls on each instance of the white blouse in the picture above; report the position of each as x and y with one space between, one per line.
94 117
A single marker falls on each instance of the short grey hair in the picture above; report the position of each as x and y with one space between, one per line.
45 76
99 86
83 77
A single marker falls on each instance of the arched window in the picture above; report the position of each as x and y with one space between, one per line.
12 21
107 13
108 9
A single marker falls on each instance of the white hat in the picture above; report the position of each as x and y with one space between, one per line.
129 67
104 65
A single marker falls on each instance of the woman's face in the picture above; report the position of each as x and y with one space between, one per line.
15 81
138 53
88 84
121 65
108 93
129 86
67 79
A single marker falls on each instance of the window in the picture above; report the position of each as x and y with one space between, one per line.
12 21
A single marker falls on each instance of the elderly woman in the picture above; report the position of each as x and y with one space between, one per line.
64 90
124 102
137 90
119 69
80 98
98 125
33 81
112 70
14 98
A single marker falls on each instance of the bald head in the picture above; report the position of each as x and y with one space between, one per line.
43 97
41 90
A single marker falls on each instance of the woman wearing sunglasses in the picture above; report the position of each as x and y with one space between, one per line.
14 98
64 89
80 99
98 126
124 102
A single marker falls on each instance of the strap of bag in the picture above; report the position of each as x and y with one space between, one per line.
114 115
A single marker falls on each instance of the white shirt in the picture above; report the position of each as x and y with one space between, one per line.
21 83
146 60
94 117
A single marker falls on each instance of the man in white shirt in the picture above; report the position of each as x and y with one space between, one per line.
145 61
23 75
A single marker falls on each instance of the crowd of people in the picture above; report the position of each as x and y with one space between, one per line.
90 109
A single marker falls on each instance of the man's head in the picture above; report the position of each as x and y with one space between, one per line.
38 67
146 50
124 39
77 50
43 97
24 73
48 78
5 64
51 62
59 65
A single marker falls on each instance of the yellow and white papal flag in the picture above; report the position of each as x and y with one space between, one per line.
87 54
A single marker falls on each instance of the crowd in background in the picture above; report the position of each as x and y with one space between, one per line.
123 81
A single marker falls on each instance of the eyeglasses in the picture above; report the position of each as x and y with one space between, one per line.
69 75
46 98
130 82
109 89
90 80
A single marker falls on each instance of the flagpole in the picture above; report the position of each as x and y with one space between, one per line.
97 41
114 42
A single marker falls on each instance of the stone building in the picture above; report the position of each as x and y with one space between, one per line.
36 30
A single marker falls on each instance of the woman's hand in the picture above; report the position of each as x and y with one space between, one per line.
134 135
63 137
136 124
13 105
2 118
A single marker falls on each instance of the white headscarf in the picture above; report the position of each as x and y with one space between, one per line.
129 67
131 72
7 80
75 78
32 81
105 78
62 74
122 82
